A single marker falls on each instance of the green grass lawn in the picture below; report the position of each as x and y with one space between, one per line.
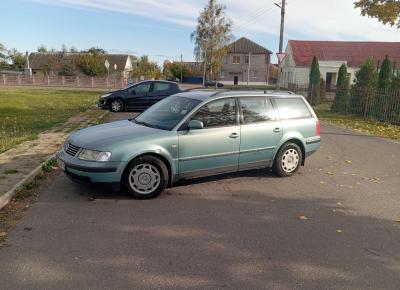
25 112
356 123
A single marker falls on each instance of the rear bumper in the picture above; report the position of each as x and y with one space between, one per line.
312 145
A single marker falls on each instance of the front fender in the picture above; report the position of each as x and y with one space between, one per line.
157 150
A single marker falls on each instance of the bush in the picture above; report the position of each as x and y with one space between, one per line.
315 80
342 90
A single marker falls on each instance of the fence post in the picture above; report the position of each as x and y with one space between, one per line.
33 79
4 79
48 80
107 82
122 82
77 81
63 81
18 79
92 83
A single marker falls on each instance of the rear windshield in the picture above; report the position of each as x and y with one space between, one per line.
291 108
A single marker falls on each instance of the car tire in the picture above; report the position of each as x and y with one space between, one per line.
117 105
146 177
288 160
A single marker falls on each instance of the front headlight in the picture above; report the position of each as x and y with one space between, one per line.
92 155
105 96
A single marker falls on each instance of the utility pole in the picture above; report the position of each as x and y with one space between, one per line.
248 69
181 69
283 12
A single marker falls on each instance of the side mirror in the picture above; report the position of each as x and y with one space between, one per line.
195 125
133 92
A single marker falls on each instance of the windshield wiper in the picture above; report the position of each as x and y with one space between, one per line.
148 124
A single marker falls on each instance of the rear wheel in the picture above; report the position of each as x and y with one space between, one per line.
116 105
288 160
146 177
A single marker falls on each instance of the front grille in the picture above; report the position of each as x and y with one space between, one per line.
71 149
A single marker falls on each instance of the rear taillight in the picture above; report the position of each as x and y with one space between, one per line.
318 128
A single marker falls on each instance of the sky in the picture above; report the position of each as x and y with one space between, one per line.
161 28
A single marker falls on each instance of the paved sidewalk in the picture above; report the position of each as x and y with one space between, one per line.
17 163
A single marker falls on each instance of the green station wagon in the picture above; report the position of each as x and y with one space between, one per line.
195 134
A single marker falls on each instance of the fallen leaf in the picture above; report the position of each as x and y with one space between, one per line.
330 173
303 217
339 203
339 231
397 221
322 182
348 161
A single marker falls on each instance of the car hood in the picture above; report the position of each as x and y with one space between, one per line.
102 137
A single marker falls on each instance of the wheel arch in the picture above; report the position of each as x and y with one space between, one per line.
297 142
156 155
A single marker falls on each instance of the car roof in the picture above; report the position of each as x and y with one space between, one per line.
204 94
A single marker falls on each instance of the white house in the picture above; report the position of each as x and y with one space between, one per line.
331 55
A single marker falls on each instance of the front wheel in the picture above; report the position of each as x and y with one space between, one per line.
288 160
116 105
146 177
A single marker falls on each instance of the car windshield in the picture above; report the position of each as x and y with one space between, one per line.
167 113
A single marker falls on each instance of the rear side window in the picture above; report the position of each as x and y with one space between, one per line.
160 87
256 109
291 108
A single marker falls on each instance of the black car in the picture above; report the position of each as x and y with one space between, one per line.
139 96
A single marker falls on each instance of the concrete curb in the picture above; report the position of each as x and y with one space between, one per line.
5 198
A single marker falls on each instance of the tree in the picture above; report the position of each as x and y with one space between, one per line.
366 76
92 64
213 33
396 81
146 69
386 11
18 59
385 75
364 87
167 70
3 56
315 80
342 90
95 50
42 48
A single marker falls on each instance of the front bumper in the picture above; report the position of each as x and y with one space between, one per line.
90 172
102 104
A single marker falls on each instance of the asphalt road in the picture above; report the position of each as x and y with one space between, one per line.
332 226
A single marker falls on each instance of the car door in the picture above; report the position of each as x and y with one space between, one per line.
215 148
260 132
159 91
137 96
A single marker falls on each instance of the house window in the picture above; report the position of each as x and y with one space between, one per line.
222 74
246 59
236 59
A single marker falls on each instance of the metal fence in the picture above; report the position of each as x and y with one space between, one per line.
115 82
370 104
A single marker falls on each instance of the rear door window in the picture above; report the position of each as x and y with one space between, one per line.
256 109
291 108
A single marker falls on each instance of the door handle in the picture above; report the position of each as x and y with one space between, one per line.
234 135
277 130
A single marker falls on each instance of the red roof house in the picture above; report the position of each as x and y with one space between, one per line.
331 55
